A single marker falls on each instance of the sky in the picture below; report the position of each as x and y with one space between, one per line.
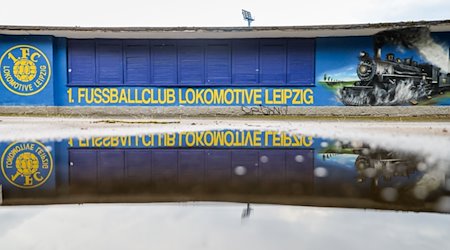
217 13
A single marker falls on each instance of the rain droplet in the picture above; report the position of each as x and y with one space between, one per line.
421 166
299 158
240 170
49 148
366 151
320 172
370 172
389 194
264 159
420 193
443 204
324 144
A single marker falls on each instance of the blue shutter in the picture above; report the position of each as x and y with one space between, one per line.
191 61
165 165
83 169
218 63
300 171
137 62
247 159
300 61
109 62
138 164
81 61
272 165
245 62
164 63
111 167
218 165
191 165
273 61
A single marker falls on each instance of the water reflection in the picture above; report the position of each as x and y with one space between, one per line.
218 226
227 166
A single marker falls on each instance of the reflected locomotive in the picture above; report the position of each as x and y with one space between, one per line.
382 80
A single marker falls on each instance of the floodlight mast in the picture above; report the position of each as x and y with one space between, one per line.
248 17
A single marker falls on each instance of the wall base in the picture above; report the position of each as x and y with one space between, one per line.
331 111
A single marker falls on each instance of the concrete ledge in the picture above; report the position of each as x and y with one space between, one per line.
233 111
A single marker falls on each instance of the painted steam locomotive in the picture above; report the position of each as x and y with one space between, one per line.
393 81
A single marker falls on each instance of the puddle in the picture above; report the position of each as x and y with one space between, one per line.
253 186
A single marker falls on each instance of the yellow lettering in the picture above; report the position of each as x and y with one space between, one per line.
37 176
25 52
12 57
277 96
147 141
114 95
309 96
170 96
257 97
33 56
298 97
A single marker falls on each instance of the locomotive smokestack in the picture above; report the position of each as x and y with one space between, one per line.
378 53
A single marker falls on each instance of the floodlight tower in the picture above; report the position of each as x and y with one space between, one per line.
248 17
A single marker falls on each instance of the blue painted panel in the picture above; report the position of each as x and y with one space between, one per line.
164 164
60 75
109 56
83 168
137 62
245 164
191 165
272 164
13 155
245 62
17 92
81 61
110 167
164 63
191 63
300 165
218 164
273 61
218 62
300 61
138 164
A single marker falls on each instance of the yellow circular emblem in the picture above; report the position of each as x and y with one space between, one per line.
24 70
26 164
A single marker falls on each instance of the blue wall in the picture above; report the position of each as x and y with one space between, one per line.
46 95
237 72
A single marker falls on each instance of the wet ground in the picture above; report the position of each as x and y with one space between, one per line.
212 183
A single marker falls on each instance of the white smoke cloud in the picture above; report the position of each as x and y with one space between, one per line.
434 53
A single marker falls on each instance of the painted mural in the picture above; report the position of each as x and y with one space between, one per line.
262 76
395 67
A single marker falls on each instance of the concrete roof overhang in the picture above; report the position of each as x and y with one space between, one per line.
221 32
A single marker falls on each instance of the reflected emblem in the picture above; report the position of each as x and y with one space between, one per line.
26 164
25 70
